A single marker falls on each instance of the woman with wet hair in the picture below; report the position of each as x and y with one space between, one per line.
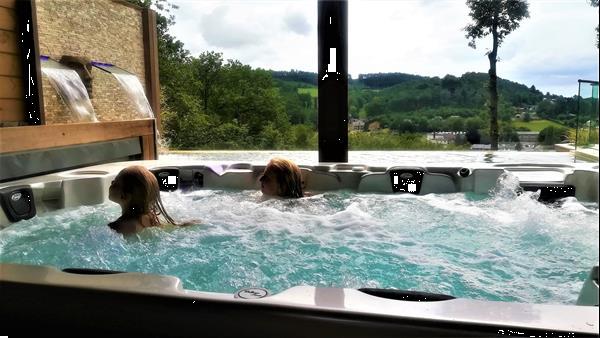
136 190
281 178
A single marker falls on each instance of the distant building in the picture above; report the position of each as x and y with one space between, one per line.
528 136
528 109
481 147
375 125
356 125
444 137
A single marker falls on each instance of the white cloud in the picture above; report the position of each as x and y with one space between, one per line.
297 23
219 30
551 50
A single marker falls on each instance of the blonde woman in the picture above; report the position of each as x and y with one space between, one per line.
136 190
281 178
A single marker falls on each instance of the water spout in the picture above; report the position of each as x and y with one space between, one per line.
132 86
70 88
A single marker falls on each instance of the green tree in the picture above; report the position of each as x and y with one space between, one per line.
508 133
436 124
302 135
474 123
552 135
455 123
270 137
206 68
526 117
375 108
498 18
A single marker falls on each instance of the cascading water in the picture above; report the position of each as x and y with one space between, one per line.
71 89
135 91
132 86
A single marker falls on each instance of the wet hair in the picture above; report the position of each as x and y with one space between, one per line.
288 176
139 183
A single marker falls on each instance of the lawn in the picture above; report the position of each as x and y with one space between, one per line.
536 125
313 91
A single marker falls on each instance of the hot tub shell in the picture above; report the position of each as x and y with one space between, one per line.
136 303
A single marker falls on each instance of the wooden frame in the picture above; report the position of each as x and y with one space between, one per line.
12 108
17 139
151 62
29 138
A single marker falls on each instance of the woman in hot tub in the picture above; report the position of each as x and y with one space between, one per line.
281 178
136 190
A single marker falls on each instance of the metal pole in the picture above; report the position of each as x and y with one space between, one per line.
577 120
333 80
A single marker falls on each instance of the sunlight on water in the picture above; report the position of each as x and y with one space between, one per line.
494 247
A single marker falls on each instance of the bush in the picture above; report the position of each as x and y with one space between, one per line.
386 141
552 135
270 138
584 137
302 137
230 136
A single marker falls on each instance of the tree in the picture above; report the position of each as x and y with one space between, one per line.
436 124
207 68
455 123
526 117
552 135
474 123
498 18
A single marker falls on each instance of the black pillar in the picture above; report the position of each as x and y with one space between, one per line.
333 81
30 59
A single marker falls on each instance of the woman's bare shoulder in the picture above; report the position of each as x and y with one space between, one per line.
126 226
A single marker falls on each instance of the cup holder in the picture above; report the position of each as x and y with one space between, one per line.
464 172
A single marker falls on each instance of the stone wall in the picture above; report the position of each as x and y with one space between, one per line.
101 30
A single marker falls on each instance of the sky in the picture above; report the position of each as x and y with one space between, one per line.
551 49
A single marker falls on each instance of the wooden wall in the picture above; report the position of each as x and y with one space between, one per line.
12 108
16 133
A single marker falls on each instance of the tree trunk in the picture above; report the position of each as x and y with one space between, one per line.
493 90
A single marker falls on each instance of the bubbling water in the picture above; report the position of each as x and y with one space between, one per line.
498 246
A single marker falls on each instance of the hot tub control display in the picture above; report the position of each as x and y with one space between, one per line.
18 203
406 180
168 178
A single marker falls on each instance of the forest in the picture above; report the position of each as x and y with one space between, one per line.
210 102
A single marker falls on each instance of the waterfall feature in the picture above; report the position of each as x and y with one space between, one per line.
134 89
132 86
71 89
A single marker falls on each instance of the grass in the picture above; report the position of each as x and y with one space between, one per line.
313 91
536 125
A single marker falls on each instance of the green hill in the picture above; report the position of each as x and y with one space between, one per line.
536 125
412 103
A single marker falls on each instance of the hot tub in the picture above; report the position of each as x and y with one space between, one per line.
278 304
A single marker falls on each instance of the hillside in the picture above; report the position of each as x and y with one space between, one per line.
408 102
